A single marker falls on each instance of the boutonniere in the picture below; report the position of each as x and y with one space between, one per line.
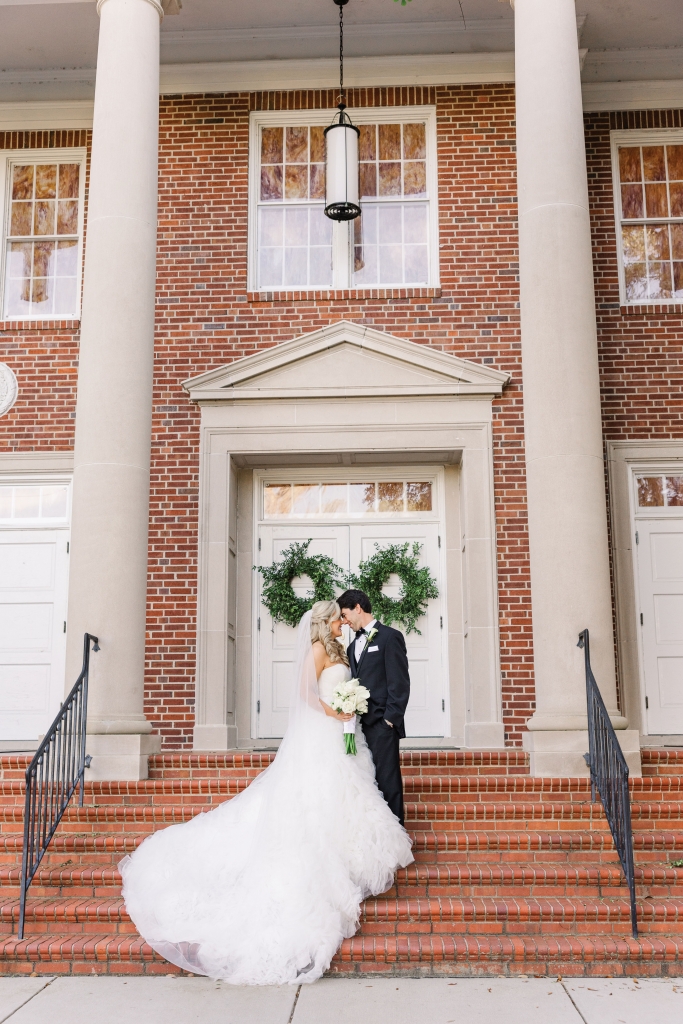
371 634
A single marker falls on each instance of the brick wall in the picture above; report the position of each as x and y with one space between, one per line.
205 317
641 350
43 355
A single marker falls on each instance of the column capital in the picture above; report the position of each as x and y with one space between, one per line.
160 6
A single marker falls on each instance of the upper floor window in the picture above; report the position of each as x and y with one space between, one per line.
42 234
648 174
294 246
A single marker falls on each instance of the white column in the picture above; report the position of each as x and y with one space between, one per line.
108 574
570 579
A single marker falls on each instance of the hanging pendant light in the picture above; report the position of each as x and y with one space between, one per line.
341 137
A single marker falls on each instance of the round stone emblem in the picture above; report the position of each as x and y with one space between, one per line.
8 388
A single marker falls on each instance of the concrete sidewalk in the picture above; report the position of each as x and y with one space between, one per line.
181 1000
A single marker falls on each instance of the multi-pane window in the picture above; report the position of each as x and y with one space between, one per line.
650 210
660 491
294 235
33 501
295 246
346 499
43 226
391 235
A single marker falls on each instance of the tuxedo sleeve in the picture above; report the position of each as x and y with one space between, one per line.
398 679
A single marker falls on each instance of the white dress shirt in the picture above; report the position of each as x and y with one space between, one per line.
362 640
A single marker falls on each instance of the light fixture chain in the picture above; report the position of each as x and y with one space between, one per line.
341 53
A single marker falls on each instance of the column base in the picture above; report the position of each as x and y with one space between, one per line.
214 737
121 758
484 736
560 754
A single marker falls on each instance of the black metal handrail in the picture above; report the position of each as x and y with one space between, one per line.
609 775
57 768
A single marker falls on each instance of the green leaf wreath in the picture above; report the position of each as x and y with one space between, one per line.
417 584
278 596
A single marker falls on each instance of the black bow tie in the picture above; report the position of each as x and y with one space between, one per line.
360 633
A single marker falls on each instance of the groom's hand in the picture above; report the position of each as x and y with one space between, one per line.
389 723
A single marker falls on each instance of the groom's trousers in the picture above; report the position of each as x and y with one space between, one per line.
384 747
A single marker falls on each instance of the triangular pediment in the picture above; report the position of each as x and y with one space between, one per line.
344 360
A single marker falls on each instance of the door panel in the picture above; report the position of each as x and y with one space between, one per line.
277 641
348 546
660 572
426 714
33 593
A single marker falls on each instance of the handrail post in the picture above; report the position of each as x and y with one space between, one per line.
51 780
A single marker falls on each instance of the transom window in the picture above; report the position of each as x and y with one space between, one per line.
43 225
282 500
648 172
293 245
33 502
664 491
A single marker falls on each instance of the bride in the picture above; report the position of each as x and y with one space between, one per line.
262 889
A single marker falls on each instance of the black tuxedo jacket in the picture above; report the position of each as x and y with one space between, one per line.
384 672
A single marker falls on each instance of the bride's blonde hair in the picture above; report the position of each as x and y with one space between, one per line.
322 613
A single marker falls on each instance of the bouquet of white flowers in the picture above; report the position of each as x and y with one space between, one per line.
351 699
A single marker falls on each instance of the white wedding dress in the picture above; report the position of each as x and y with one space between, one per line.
262 890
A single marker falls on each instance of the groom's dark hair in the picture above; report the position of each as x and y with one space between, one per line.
350 598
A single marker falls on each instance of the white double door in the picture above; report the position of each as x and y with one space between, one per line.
33 595
660 585
348 545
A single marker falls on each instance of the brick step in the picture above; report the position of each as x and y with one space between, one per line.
511 761
643 814
662 762
492 956
71 914
420 816
383 916
67 848
440 879
577 847
543 880
476 788
462 955
558 915
72 880
574 846
81 953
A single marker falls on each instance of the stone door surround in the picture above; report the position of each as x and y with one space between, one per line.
345 395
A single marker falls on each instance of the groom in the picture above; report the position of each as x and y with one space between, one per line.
379 660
